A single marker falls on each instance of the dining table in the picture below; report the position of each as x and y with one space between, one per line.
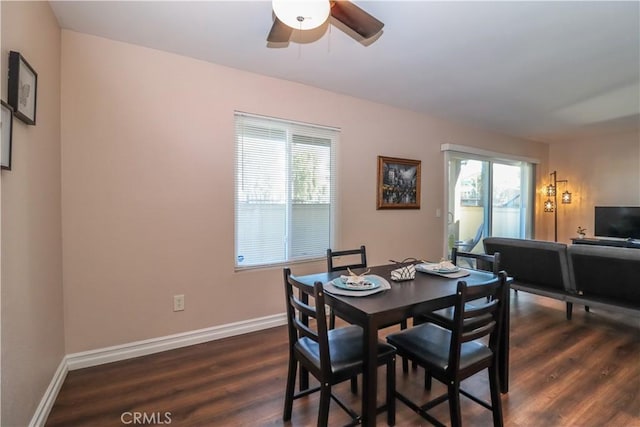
402 300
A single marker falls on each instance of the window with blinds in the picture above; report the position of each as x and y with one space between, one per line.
285 190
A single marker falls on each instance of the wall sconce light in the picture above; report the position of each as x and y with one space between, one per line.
552 205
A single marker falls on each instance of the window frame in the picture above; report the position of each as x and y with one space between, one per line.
293 129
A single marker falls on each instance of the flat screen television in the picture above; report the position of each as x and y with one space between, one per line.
621 222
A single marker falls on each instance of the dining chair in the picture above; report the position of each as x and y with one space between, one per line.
444 317
334 259
330 355
481 261
455 353
332 265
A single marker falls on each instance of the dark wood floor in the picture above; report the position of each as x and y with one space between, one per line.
584 372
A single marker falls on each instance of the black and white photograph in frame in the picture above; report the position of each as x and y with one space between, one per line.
23 88
6 131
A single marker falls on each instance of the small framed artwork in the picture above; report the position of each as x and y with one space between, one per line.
6 131
398 183
23 88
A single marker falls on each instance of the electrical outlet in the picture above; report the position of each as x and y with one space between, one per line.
178 302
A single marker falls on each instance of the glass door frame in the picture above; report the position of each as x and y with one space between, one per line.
527 217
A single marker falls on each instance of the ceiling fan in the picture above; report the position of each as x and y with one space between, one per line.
308 14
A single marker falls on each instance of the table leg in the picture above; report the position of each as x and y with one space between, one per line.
370 375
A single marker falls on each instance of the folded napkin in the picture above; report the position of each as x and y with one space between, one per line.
447 265
372 278
355 280
407 272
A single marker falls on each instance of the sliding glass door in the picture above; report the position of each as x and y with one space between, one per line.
468 207
510 193
487 197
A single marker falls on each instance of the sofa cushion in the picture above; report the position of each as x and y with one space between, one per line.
532 262
605 272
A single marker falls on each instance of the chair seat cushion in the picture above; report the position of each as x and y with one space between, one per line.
345 349
428 344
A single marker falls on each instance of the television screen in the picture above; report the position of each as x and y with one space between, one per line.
617 221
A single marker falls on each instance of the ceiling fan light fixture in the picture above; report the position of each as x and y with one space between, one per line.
302 14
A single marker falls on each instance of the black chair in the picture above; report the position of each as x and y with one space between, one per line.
458 352
330 355
333 266
350 253
486 262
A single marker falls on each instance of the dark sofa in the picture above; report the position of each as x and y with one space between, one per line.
595 276
606 276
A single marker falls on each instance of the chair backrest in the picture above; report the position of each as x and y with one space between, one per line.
305 319
486 262
535 262
480 319
350 253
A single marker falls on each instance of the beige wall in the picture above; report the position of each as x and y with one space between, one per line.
602 170
32 307
147 180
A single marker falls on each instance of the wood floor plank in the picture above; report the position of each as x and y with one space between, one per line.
583 372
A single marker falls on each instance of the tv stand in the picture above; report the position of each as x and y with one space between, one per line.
629 243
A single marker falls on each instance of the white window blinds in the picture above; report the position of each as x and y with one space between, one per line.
285 190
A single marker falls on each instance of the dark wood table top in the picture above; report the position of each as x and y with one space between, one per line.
424 293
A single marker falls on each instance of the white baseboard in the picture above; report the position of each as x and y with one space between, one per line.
116 353
49 398
155 345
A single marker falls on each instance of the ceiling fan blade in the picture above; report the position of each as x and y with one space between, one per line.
280 32
355 18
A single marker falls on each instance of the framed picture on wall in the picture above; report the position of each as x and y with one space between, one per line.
398 183
6 132
23 88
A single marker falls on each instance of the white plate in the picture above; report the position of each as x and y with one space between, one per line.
424 267
447 270
370 283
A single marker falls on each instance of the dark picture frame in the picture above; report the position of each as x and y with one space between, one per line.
6 134
398 183
22 91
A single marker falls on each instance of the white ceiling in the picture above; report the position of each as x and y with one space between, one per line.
538 70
